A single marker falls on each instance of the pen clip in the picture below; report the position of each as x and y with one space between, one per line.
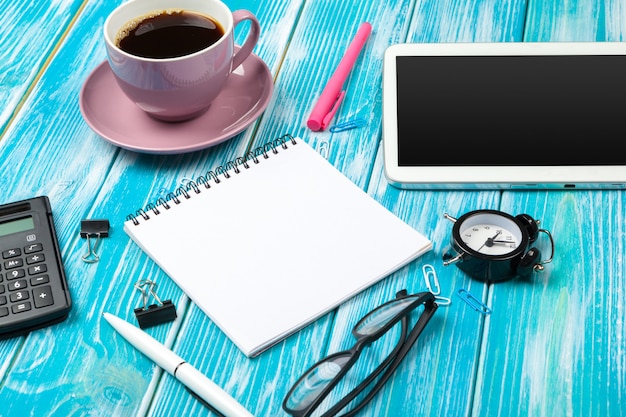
333 109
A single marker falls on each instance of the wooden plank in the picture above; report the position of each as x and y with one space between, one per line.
562 21
29 32
554 344
468 21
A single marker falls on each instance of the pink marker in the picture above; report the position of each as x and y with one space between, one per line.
332 95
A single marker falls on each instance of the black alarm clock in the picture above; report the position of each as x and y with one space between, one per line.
494 246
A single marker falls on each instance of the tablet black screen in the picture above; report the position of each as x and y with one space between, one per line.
511 110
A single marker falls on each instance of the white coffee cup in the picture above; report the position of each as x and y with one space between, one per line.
177 88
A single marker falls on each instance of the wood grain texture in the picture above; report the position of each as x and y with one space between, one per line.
30 32
553 346
567 324
562 21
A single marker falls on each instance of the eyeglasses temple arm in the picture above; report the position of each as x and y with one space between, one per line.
367 381
430 309
348 398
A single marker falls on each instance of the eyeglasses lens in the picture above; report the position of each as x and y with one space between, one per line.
310 388
381 316
315 381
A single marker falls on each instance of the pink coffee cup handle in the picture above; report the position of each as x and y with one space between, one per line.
251 40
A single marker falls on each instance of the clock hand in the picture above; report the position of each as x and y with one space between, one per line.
503 242
489 241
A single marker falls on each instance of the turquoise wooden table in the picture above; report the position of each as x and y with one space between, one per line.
554 345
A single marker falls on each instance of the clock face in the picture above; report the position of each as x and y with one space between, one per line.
490 234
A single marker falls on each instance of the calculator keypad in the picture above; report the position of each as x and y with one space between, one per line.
33 289
22 279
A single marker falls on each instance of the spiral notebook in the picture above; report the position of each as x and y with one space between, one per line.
267 243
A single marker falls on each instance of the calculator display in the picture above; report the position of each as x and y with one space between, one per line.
15 226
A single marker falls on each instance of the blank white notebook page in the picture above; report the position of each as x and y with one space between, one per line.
270 249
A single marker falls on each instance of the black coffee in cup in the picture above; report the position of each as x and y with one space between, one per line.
169 34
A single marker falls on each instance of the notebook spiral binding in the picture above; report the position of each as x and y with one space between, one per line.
224 171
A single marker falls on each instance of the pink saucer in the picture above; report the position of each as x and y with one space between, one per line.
113 116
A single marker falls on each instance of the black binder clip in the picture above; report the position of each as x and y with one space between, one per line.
151 315
93 229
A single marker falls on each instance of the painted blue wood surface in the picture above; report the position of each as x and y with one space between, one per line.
30 32
553 346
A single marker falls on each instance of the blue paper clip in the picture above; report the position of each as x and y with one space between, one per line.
432 283
350 124
473 302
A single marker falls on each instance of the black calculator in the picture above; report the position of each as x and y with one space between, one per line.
33 287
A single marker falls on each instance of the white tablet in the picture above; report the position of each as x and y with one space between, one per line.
505 115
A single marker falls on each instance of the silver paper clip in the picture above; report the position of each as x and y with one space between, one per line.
473 302
324 149
432 283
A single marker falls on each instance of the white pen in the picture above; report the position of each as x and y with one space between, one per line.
193 379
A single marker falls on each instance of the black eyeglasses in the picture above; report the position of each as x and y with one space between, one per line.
316 383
